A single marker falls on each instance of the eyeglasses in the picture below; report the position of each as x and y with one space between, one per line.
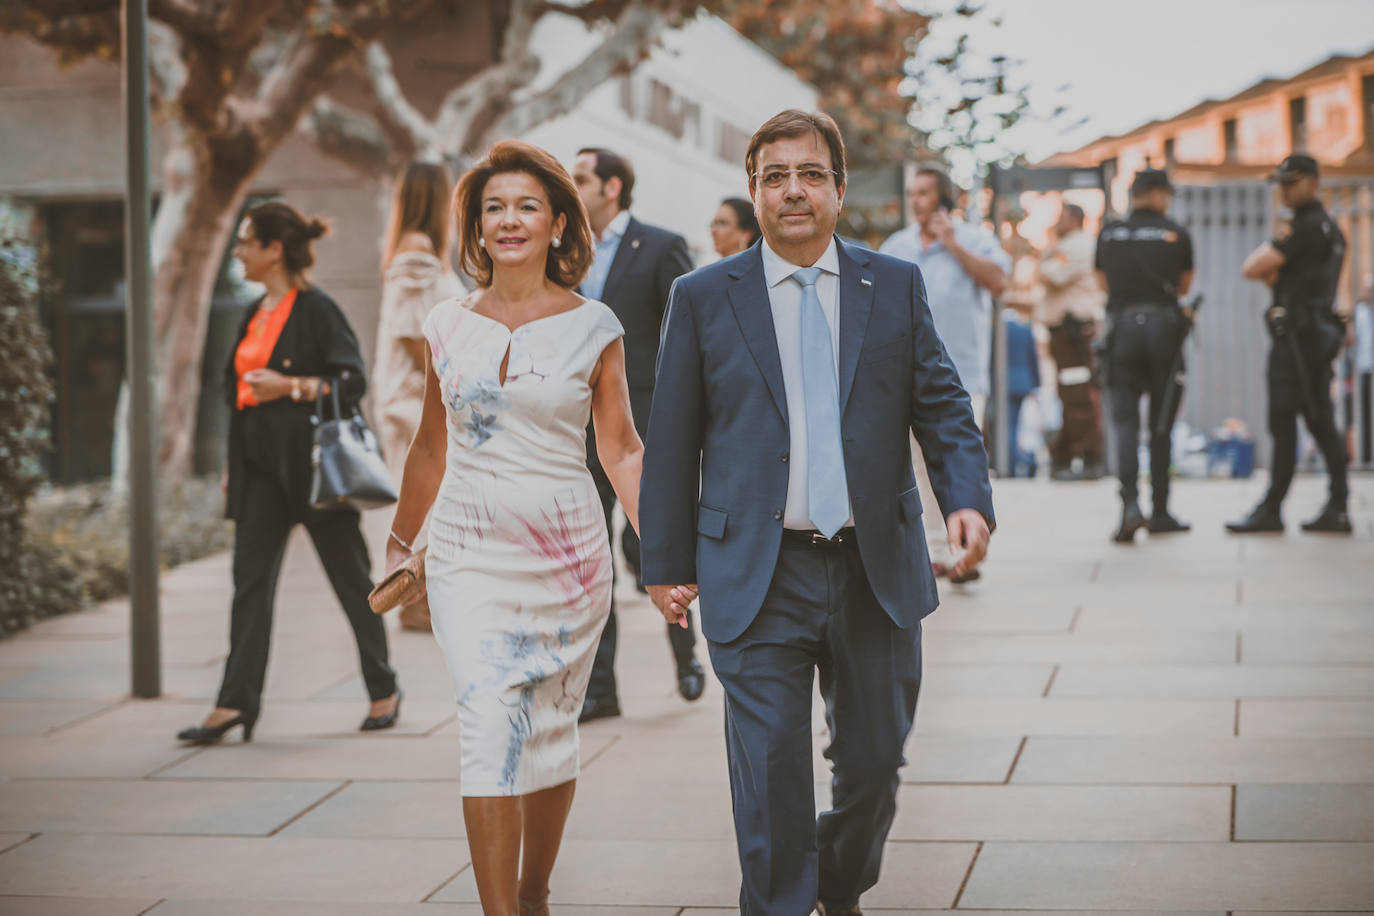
723 224
811 176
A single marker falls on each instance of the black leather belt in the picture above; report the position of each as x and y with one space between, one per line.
794 538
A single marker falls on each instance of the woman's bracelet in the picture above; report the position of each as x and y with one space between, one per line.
398 539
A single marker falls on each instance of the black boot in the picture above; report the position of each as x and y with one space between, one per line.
1333 520
1264 518
1164 523
1132 520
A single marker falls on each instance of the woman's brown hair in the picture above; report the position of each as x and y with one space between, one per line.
277 221
421 204
565 265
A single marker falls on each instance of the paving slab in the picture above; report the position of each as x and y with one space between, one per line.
1109 813
1319 812
1238 681
159 721
706 874
1154 646
73 906
1164 876
205 807
231 868
1250 616
258 908
940 680
1075 716
63 757
38 717
1302 646
1314 718
1188 760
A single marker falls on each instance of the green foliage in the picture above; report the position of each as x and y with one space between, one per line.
25 393
83 532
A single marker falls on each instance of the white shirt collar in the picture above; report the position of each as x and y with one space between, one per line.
616 227
776 268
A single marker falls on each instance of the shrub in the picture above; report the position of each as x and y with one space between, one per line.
86 529
29 585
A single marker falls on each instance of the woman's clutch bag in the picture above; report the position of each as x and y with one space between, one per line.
404 584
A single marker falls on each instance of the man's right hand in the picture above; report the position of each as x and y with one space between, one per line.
672 601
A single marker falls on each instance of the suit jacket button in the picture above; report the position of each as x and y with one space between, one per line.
786 457
777 515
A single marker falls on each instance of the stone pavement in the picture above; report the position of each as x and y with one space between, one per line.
1182 726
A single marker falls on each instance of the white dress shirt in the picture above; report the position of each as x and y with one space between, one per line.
784 295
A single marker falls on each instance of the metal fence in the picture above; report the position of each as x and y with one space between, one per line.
1227 357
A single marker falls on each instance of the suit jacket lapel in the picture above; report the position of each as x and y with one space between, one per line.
856 302
754 312
624 254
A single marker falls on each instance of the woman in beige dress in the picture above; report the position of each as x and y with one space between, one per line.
417 274
519 563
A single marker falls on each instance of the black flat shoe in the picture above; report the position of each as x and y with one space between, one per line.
211 734
377 723
1132 520
1164 523
691 680
599 708
1261 520
1333 520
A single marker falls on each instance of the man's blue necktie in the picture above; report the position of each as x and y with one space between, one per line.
826 488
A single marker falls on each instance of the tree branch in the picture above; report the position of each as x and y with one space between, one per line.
636 30
350 137
408 130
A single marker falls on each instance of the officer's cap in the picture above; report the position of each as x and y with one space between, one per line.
1147 180
1294 167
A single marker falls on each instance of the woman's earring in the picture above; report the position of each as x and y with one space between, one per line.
557 241
482 241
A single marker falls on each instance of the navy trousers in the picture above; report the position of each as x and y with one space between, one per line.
819 615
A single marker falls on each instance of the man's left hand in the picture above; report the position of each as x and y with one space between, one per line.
968 532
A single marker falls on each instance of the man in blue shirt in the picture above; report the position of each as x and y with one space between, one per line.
633 271
964 267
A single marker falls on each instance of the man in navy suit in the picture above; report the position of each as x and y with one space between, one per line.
778 479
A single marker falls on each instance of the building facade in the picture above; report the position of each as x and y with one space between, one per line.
678 116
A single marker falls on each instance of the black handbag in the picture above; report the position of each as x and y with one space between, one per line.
347 471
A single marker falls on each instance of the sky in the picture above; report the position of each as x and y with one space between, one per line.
1126 64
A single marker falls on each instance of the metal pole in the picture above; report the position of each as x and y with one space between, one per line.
142 369
1001 447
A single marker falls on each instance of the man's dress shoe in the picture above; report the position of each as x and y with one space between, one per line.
599 708
691 680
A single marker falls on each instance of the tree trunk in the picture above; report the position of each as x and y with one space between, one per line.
195 223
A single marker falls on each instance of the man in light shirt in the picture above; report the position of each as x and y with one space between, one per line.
1072 310
964 267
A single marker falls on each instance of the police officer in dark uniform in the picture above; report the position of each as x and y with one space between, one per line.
1145 262
1303 265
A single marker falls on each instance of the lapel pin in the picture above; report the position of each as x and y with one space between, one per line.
635 243
865 282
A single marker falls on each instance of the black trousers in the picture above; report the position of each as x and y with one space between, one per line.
819 617
683 642
259 545
1145 340
1287 377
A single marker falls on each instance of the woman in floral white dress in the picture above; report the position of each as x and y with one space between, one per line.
519 565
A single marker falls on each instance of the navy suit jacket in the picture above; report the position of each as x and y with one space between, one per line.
716 456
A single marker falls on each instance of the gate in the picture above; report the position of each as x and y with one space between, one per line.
1226 361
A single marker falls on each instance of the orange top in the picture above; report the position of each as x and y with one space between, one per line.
258 343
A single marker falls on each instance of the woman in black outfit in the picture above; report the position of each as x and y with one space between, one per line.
293 344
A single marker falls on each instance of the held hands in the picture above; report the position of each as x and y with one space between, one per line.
672 601
968 534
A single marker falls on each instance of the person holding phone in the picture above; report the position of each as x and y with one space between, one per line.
964 267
